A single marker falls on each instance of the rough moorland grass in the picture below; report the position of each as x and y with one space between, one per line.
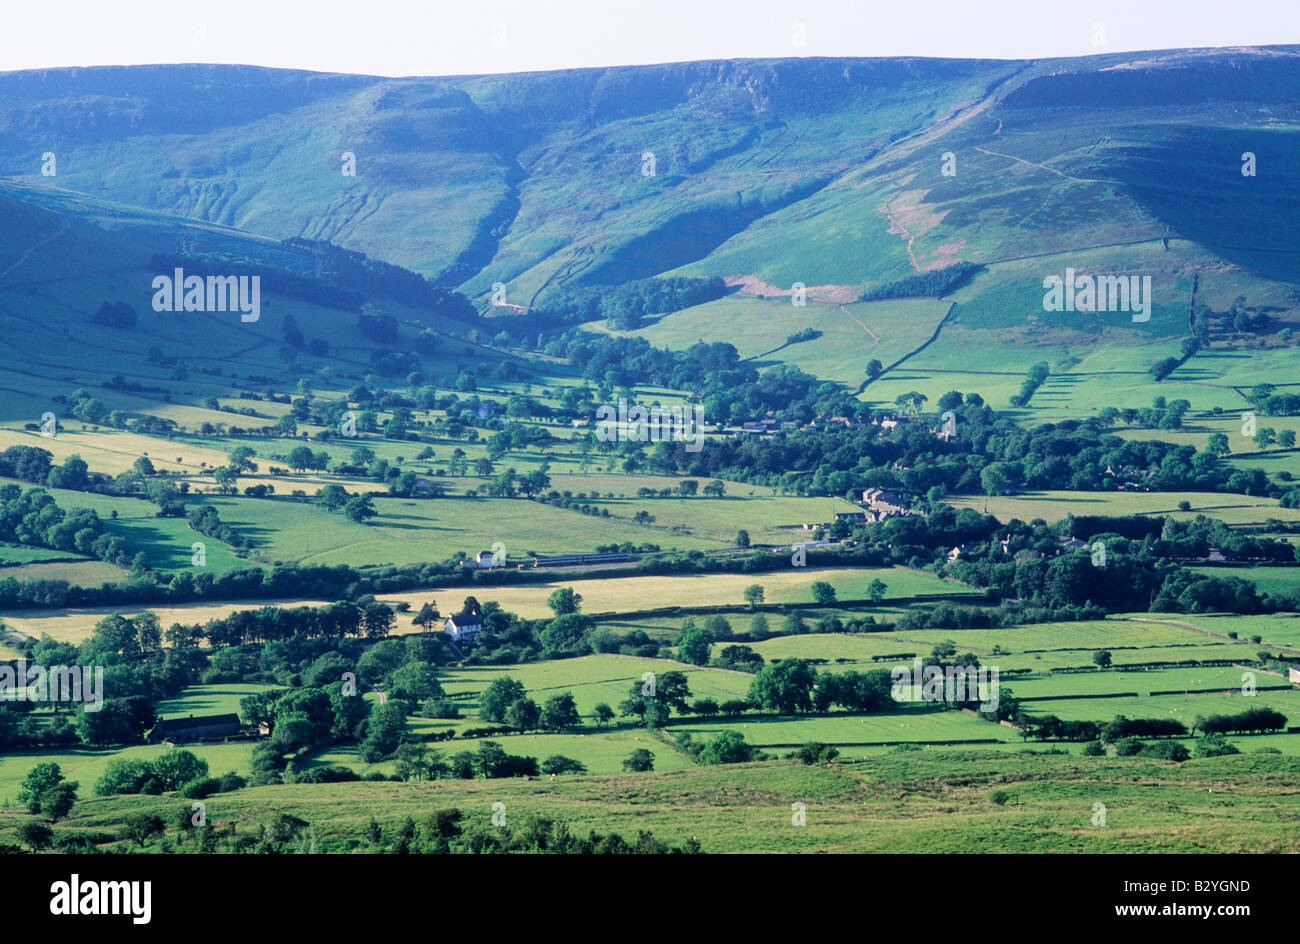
925 801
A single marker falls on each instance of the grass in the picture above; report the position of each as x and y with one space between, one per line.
82 573
1054 505
211 699
86 764
849 336
603 752
910 725
623 594
591 679
928 801
1275 580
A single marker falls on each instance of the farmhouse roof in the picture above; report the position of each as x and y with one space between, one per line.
466 618
169 725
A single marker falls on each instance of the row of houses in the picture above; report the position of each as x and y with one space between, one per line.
882 504
769 425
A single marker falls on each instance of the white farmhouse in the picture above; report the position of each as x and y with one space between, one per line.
464 625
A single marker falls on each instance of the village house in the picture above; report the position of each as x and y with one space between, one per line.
464 625
204 727
1293 674
883 504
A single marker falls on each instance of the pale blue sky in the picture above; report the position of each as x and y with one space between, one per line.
449 37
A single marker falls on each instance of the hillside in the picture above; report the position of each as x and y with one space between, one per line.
845 175
818 170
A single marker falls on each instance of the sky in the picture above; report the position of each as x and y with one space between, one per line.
458 37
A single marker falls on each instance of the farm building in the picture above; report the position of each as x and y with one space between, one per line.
194 729
1293 674
484 560
463 625
883 504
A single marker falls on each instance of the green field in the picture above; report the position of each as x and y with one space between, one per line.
1053 506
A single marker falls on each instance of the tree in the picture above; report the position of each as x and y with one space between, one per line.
874 367
1214 745
142 827
428 616
414 761
1217 445
227 481
640 761
523 715
497 698
567 633
564 600
56 802
876 590
36 835
815 752
416 682
695 645
754 595
241 459
742 538
360 508
384 731
301 458
995 478
377 620
672 689
332 497
1102 658
38 780
823 593
177 767
911 402
715 488
560 712
602 714
1286 439
1162 369
729 747
785 687
559 764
